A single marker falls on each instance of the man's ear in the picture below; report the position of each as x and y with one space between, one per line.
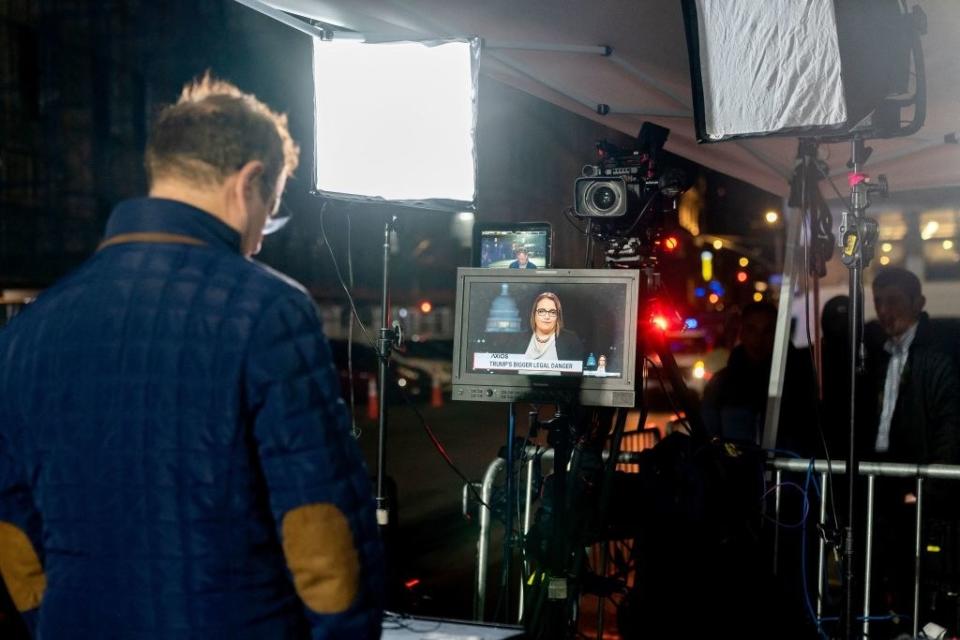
249 180
921 303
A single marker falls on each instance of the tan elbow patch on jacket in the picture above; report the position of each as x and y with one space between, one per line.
21 568
322 557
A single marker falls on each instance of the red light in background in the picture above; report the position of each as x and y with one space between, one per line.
670 243
741 276
410 584
660 321
426 307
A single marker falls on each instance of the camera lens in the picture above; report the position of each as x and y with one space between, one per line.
604 198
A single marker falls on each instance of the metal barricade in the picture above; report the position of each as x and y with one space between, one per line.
871 470
531 454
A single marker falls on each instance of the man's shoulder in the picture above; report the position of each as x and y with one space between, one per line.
275 281
943 332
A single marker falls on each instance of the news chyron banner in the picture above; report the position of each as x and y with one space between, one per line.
522 363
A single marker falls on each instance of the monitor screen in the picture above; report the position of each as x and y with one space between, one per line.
524 245
546 335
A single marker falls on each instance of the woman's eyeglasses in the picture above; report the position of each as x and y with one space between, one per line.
543 313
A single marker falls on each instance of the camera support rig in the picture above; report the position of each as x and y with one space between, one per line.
581 486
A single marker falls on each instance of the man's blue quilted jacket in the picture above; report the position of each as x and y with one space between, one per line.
161 409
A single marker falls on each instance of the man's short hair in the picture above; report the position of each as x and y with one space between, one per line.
905 281
212 131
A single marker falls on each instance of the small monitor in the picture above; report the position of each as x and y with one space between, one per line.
546 335
518 245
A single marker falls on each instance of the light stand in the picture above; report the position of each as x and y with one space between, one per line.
858 235
387 337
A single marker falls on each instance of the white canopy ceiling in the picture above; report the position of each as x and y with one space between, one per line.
549 48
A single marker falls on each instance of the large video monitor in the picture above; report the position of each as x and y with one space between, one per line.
512 245
546 335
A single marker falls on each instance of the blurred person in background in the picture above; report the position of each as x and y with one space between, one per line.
735 399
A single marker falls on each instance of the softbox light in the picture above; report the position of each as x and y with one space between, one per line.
396 121
826 68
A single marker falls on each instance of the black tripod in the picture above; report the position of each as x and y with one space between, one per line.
581 490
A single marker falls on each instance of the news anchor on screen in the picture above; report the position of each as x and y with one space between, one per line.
549 341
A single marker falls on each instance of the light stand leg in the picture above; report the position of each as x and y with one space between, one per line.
384 347
849 607
792 272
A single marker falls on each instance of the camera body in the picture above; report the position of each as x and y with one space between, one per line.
614 188
618 190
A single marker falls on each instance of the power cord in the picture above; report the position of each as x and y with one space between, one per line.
818 421
682 418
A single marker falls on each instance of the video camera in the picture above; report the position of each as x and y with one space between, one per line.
619 189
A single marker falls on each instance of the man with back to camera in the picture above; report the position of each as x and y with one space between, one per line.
522 261
175 459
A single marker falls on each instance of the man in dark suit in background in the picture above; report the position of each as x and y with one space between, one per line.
913 378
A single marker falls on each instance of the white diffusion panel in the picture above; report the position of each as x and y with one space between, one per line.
396 121
769 65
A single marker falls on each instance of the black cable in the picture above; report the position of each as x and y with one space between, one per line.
588 259
440 448
806 225
673 405
568 212
843 198
343 285
403 621
639 217
353 392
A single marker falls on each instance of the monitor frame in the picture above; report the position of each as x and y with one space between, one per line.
510 227
516 387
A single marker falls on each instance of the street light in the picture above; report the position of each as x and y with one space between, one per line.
772 217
